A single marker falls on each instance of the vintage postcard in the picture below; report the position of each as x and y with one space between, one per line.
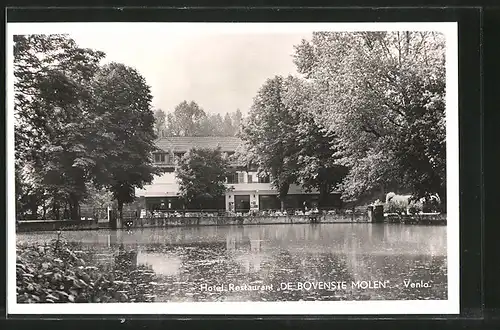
233 168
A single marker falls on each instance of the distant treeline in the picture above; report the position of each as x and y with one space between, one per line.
189 119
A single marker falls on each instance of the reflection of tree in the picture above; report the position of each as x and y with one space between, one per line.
429 240
378 233
112 238
126 260
395 266
236 240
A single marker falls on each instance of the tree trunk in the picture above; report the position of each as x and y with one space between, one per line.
324 192
74 211
55 210
120 210
442 197
44 210
283 192
74 204
70 213
33 207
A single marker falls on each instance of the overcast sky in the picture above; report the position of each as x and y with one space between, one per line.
219 65
221 72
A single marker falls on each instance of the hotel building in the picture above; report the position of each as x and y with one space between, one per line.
247 190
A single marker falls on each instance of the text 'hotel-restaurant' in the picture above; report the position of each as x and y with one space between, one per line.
248 191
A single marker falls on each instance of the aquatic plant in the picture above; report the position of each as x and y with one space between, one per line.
57 273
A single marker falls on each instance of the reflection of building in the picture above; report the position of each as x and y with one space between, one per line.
248 190
246 249
244 241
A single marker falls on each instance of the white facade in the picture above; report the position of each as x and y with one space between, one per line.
162 186
248 185
245 189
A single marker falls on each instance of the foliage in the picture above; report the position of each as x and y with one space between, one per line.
123 109
285 141
317 164
212 125
396 206
97 198
186 119
52 97
416 207
234 128
56 273
201 174
227 125
77 123
382 94
269 135
160 121
189 119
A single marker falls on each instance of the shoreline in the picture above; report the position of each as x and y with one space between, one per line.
30 227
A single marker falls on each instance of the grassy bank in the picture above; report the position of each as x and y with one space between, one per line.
58 273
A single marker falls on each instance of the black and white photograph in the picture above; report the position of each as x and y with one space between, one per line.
233 168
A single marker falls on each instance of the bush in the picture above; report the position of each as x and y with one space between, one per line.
240 220
415 207
431 206
398 207
55 273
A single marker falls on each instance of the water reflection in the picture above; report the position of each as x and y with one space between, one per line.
160 263
185 260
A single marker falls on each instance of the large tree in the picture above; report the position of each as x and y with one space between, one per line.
160 122
237 120
269 136
382 94
201 175
186 120
52 106
228 127
318 166
287 142
124 130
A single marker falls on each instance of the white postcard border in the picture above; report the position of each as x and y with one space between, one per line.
431 307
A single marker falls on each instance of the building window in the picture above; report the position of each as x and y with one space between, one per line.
264 179
159 158
241 177
232 178
250 178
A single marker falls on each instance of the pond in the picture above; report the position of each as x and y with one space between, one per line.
278 262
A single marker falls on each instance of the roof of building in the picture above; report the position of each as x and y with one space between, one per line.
184 143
